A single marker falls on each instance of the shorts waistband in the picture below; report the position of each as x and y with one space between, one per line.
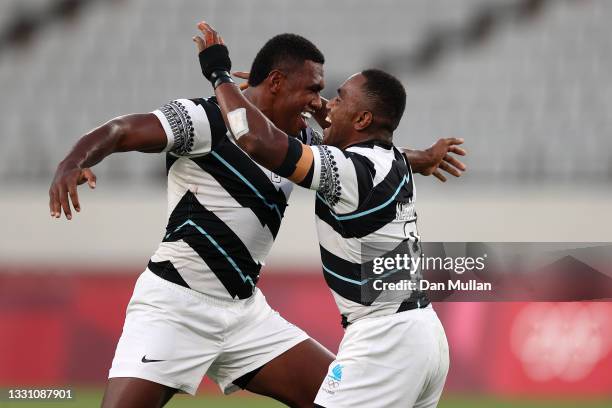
406 305
226 303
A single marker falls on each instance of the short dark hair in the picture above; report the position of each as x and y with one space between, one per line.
387 95
282 49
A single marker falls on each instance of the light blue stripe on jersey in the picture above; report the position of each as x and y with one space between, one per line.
371 210
219 248
356 282
247 182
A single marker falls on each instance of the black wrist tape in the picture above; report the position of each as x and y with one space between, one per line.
220 77
215 58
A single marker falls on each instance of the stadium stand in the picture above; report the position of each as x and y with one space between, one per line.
533 98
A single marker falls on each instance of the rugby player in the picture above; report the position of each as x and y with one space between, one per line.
394 352
196 310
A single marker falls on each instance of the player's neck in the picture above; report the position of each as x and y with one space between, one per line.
259 99
365 137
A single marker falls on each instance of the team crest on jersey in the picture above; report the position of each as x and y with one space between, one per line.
333 379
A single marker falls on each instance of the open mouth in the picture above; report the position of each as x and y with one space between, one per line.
304 116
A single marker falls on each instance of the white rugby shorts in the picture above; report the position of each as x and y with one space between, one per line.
174 336
398 360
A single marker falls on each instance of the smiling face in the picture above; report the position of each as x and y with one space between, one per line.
298 91
347 112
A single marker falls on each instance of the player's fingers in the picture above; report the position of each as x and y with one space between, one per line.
205 30
241 74
209 38
454 141
457 150
53 202
89 176
449 169
82 176
203 27
74 197
63 198
58 204
221 40
439 176
200 43
454 162
209 33
92 181
216 37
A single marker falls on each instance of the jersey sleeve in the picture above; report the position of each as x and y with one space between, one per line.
187 128
335 177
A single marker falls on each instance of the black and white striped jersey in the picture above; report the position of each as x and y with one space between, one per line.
224 210
365 197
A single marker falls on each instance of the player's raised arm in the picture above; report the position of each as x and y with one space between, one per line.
254 133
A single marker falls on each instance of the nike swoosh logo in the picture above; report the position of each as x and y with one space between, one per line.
146 360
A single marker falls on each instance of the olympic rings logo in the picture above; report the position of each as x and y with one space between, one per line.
332 384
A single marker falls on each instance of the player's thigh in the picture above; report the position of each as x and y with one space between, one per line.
439 369
295 376
268 355
123 392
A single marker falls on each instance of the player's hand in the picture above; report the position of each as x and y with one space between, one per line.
440 158
211 37
213 55
64 189
242 75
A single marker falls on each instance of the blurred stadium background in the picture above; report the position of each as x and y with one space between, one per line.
527 83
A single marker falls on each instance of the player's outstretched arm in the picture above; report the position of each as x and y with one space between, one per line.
437 158
137 132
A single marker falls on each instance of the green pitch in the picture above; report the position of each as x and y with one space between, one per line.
91 398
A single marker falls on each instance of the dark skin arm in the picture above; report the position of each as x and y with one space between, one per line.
137 132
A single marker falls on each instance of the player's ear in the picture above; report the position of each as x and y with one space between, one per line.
363 120
275 79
